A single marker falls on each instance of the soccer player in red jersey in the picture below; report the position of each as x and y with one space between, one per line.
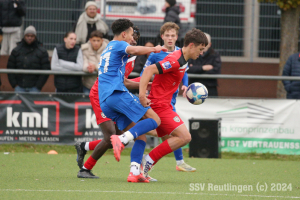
107 126
168 75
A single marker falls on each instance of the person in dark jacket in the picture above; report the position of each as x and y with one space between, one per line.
172 15
208 63
28 55
292 68
172 12
11 13
67 57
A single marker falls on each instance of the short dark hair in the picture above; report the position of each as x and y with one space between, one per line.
195 36
121 25
150 41
168 26
96 33
68 33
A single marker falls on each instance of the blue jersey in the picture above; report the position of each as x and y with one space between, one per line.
156 57
112 69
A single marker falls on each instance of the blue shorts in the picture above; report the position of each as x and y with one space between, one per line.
123 108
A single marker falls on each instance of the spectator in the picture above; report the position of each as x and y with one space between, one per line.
172 15
292 68
29 55
11 13
208 63
91 56
141 60
172 12
88 22
67 57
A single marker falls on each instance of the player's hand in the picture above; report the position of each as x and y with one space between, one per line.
145 102
207 67
159 48
184 88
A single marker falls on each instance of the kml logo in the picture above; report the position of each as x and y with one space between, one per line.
31 117
17 119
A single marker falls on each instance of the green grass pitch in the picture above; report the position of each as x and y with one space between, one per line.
42 176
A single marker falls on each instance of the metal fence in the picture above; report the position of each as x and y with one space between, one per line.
134 74
239 28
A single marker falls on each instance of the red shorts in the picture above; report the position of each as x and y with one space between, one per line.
170 120
94 98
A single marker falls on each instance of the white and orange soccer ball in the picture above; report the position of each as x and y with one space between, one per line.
196 93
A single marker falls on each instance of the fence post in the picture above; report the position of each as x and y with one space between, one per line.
251 30
104 10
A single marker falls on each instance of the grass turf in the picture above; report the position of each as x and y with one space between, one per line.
42 176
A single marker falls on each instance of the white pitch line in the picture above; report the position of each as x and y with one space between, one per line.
136 192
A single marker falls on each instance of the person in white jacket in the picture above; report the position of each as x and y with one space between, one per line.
92 51
67 57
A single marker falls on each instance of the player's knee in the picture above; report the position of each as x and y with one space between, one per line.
186 139
158 121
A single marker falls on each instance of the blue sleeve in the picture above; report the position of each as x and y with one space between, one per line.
185 79
122 45
149 61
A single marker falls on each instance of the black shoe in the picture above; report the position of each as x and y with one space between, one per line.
84 173
80 154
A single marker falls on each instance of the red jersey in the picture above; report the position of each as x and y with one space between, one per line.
171 70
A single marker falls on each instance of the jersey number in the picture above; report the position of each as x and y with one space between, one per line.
106 58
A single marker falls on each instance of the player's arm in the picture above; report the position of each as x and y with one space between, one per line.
185 82
140 50
129 84
145 79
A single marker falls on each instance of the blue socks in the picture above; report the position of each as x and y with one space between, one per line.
178 154
137 151
143 127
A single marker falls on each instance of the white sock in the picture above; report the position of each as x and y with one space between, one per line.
179 162
126 137
149 163
135 168
84 168
149 159
87 147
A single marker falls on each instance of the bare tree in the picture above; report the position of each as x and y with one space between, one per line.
290 13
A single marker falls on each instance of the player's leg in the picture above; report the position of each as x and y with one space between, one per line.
83 147
181 137
128 105
136 157
180 164
173 127
108 129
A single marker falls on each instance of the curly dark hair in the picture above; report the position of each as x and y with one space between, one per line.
195 36
136 33
121 25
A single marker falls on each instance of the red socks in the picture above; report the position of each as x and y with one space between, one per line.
90 163
93 144
160 151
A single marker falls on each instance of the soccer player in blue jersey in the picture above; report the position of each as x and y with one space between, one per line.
169 34
118 103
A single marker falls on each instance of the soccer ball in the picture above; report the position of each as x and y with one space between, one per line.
196 93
